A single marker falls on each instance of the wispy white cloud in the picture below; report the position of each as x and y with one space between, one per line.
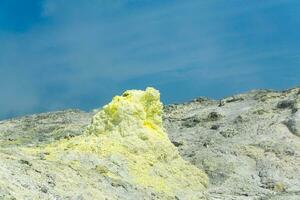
83 52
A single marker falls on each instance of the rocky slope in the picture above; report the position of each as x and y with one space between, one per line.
248 145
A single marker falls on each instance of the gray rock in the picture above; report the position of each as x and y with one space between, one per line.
248 153
293 123
286 104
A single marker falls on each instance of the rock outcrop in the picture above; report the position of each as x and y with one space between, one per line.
250 151
247 144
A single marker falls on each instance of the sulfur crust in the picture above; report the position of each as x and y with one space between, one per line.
128 132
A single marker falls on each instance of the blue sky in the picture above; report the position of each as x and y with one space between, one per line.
58 54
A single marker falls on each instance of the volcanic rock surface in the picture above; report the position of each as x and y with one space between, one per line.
247 144
123 154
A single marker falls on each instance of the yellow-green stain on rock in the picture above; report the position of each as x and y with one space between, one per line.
128 139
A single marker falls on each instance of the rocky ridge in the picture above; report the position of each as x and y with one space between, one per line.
247 144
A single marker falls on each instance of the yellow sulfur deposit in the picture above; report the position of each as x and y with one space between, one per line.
126 141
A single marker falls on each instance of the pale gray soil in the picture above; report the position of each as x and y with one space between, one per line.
248 144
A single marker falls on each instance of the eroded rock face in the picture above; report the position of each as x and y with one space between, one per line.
124 146
251 152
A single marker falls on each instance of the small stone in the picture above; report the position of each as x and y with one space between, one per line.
228 133
191 121
260 112
289 151
177 143
215 127
25 162
200 99
234 99
214 116
44 189
221 103
286 104
208 143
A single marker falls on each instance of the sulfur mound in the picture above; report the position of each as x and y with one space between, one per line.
126 142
